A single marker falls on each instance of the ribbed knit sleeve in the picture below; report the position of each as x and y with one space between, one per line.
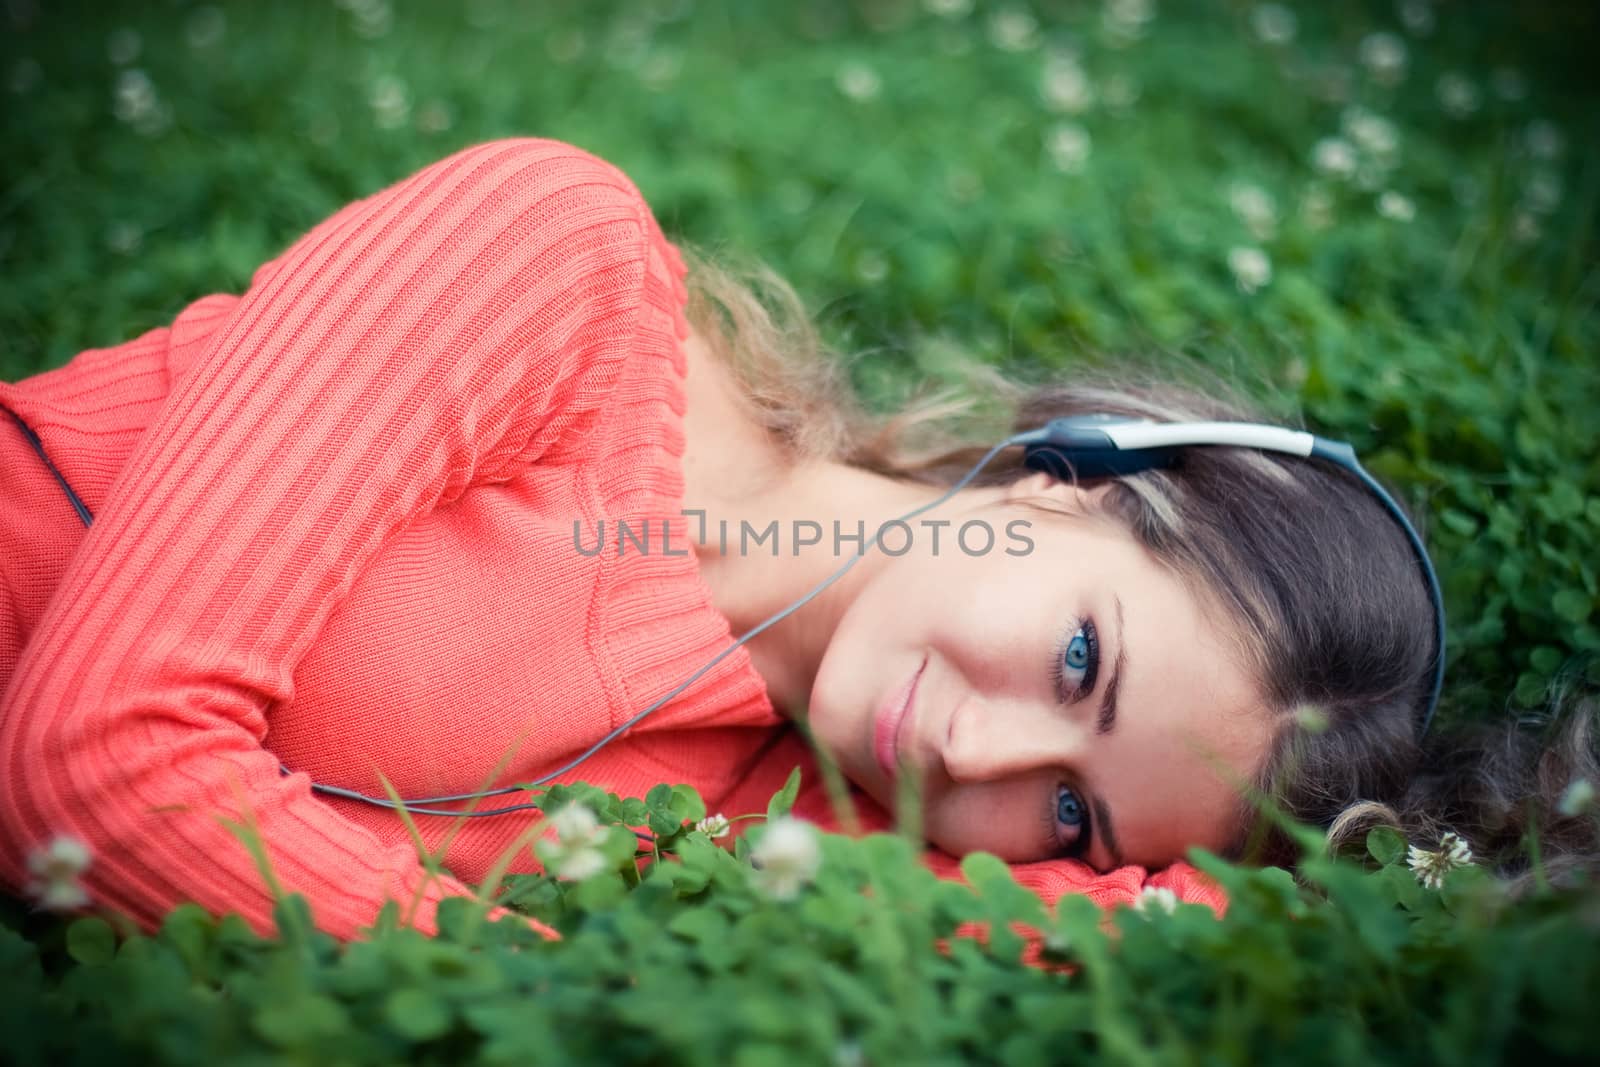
445 333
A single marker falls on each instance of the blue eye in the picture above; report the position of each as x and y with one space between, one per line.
1069 811
1076 658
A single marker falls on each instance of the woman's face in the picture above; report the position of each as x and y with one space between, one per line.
1016 665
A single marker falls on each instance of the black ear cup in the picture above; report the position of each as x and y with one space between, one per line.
1050 459
1063 462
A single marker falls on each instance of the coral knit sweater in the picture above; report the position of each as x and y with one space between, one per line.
333 528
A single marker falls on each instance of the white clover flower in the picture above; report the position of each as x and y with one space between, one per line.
123 46
787 858
1457 95
1273 23
1542 193
575 824
56 868
574 854
1577 798
1396 206
1544 139
1065 86
1127 19
1069 145
1384 56
1254 207
1251 268
1430 867
714 826
136 102
1416 16
205 28
1151 897
1456 849
66 856
580 864
1525 228
1371 132
124 238
948 9
390 106
858 81
371 18
1137 11
1335 156
628 42
62 896
871 266
660 70
135 96
1013 30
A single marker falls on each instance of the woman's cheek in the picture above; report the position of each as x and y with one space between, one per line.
985 818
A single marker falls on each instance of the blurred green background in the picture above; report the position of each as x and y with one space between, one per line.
1378 217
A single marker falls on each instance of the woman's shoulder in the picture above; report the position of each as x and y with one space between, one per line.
573 158
543 176
487 202
582 207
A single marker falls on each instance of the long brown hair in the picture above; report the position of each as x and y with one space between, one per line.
1337 618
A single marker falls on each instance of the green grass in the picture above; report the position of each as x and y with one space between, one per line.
906 171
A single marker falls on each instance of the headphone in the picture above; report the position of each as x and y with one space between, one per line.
1087 446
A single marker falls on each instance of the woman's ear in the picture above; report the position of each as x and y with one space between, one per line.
1044 490
1034 485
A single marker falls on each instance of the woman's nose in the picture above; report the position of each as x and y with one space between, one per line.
989 740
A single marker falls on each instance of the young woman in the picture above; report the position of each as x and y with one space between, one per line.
468 478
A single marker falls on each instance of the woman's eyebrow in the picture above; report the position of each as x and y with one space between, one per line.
1102 816
1105 724
1107 720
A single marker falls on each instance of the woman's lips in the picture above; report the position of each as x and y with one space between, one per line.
893 719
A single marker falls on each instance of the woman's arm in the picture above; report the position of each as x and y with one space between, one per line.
446 332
